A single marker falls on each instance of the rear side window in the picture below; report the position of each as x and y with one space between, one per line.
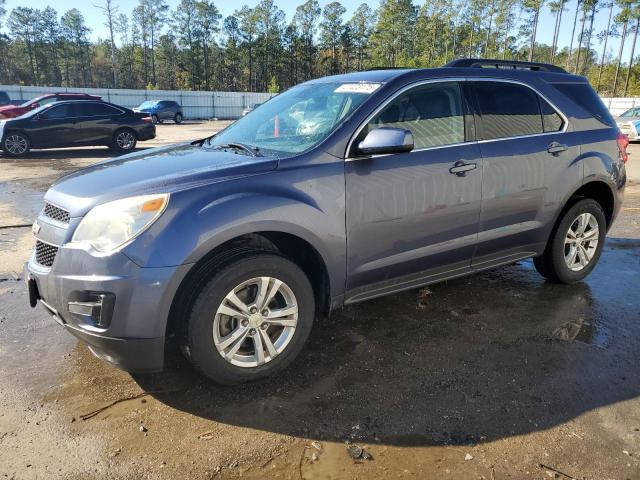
432 112
508 110
92 109
551 120
584 96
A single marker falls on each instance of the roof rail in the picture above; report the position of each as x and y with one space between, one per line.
504 64
372 69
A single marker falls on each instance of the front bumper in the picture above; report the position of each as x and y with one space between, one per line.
134 337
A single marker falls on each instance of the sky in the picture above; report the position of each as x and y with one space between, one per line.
95 21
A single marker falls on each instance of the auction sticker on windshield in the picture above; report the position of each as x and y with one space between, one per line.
357 88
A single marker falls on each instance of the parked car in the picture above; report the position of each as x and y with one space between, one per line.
250 108
160 110
629 123
339 190
4 98
13 111
73 124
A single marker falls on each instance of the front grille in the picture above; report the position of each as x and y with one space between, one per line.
56 213
45 253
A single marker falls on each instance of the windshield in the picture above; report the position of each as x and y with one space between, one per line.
148 104
29 102
297 119
631 113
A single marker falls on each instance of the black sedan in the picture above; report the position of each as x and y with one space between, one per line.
73 124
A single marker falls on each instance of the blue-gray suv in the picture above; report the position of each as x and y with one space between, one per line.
339 190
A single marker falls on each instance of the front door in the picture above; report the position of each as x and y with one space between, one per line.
53 127
409 216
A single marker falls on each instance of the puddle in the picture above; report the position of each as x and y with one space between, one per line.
576 330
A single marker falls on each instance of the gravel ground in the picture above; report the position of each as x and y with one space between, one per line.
516 378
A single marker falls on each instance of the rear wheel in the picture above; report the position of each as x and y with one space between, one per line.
124 140
576 244
178 118
16 144
251 319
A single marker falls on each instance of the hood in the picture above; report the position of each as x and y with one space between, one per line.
626 119
7 108
158 170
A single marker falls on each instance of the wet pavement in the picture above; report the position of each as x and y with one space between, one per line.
498 375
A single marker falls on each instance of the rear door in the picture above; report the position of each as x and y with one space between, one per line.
409 216
95 123
522 140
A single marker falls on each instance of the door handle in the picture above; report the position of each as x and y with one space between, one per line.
460 168
555 148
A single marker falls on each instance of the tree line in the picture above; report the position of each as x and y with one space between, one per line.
192 47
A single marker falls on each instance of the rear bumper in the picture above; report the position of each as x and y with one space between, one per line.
147 132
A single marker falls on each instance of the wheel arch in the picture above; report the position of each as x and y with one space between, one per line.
16 130
121 128
289 245
597 190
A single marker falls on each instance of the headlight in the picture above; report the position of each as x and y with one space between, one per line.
109 226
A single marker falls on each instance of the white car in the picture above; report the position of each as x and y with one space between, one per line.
250 108
629 123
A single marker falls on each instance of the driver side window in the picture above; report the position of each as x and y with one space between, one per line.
432 112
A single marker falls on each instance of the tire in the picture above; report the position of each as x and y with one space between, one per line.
15 144
124 140
559 263
210 332
177 118
155 119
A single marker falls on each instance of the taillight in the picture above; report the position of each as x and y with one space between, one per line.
623 143
147 119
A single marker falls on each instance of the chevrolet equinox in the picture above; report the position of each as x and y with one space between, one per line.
339 190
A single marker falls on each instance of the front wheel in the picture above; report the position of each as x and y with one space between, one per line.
178 118
16 144
576 244
250 320
124 140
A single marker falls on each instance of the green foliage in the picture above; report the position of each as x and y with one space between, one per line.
257 49
273 87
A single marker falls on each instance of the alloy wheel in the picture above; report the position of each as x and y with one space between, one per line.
581 241
255 322
16 144
125 140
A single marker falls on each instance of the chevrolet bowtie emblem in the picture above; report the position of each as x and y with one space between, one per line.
35 228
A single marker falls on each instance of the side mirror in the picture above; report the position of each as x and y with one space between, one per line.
386 140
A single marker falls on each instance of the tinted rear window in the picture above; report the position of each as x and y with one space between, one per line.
508 110
584 96
91 109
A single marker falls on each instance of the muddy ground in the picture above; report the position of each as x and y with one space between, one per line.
499 375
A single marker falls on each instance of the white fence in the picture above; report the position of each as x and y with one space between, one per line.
224 105
618 105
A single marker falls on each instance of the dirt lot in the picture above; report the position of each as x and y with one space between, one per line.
499 375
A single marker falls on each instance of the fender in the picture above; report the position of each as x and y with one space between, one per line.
201 219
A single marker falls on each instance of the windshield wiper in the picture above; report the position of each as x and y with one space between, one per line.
251 150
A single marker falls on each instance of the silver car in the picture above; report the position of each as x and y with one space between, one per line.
629 123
